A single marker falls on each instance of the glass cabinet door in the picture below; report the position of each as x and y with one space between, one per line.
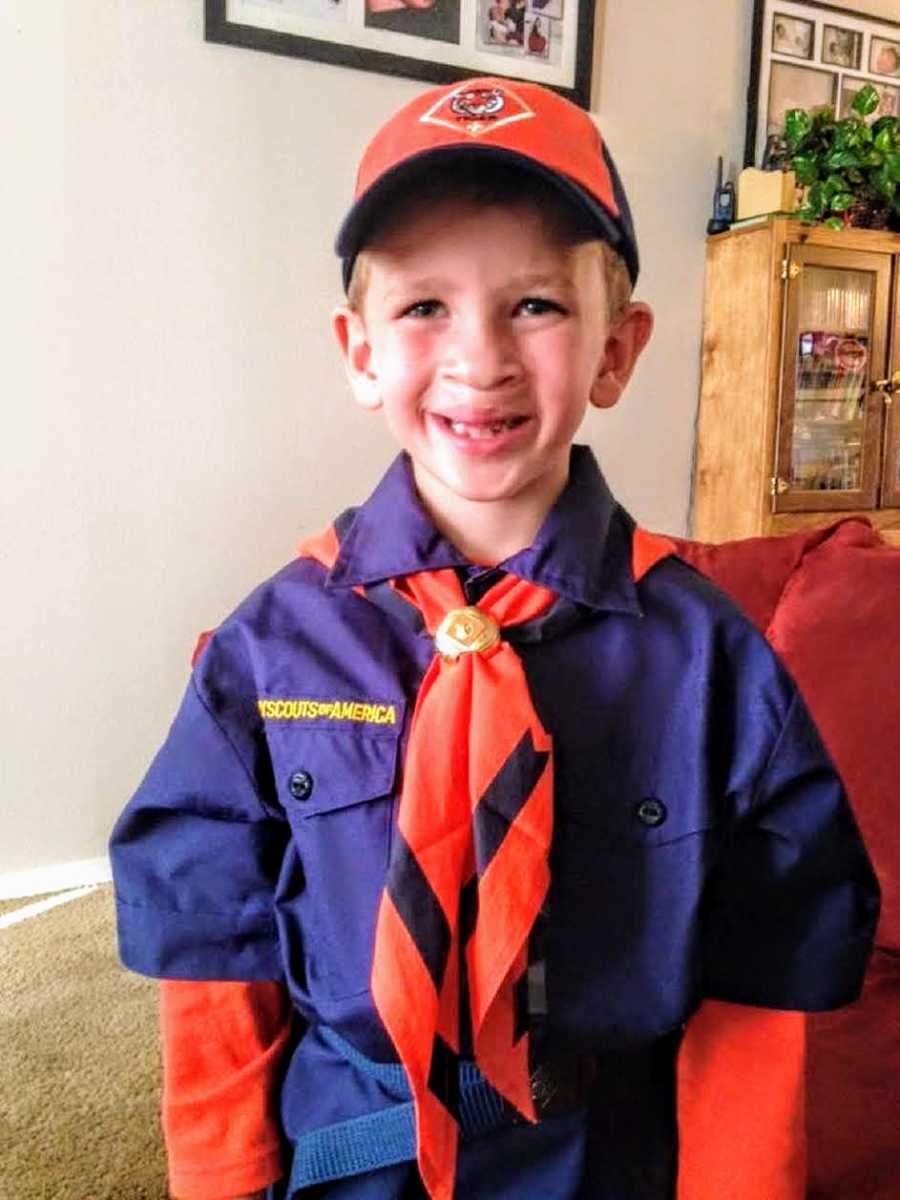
890 484
829 429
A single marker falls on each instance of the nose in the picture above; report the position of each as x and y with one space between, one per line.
482 353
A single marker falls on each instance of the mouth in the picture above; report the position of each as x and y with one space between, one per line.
481 429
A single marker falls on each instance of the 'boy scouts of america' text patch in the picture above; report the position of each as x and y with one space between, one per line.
359 711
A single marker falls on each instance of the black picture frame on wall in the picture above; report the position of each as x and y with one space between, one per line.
440 41
828 75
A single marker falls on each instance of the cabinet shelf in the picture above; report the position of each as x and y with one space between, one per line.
843 332
831 394
827 422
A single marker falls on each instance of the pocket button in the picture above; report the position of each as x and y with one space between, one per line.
300 785
651 812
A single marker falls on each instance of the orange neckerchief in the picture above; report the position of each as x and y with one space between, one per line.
476 812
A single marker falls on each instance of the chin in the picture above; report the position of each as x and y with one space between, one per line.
486 490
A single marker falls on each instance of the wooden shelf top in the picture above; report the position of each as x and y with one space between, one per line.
787 229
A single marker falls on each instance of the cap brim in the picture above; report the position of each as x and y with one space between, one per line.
357 226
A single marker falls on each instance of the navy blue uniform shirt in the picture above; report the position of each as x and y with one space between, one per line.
703 846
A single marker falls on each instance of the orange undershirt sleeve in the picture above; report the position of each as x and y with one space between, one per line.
222 1046
741 1125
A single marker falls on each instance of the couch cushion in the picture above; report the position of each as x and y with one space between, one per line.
837 627
752 571
853 1092
829 601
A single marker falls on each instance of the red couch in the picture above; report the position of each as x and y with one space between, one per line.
829 602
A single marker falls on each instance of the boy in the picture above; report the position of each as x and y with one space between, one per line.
497 787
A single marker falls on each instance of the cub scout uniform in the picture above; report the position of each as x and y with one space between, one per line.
702 846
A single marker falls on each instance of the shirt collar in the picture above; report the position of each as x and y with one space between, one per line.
582 551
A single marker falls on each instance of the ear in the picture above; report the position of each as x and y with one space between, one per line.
625 339
356 351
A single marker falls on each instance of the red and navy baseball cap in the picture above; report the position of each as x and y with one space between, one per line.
522 123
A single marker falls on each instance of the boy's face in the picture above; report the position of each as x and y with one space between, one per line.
484 339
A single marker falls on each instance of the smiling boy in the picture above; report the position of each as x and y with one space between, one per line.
464 943
483 336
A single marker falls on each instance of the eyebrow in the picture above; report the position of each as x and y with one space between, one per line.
423 286
428 284
542 279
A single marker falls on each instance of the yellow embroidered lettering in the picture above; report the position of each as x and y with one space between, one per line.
290 709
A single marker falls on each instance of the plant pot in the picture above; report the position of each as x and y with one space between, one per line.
869 214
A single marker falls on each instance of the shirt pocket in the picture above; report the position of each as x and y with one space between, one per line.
337 788
632 816
629 869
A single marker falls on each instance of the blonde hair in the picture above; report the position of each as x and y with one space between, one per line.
619 287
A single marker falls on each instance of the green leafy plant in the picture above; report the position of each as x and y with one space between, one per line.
850 170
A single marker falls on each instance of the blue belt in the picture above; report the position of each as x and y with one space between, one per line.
387 1137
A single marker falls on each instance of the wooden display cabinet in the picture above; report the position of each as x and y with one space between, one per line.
801 365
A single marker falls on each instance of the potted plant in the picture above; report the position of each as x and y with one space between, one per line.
849 169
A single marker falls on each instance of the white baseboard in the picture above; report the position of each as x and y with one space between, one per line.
38 907
56 878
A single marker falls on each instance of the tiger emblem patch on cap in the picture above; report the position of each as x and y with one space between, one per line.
477 110
480 104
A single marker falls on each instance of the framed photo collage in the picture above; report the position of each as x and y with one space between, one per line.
809 55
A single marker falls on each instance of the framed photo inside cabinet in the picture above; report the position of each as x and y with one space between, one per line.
810 55
543 41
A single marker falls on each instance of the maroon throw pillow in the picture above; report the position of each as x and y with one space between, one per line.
837 627
752 571
853 1092
829 602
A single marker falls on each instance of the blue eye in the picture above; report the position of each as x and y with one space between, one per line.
537 306
423 308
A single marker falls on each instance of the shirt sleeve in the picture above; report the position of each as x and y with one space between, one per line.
791 906
196 854
740 1098
222 1046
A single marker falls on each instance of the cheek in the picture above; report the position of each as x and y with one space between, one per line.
565 363
403 356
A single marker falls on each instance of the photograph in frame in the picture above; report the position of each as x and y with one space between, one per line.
437 20
884 57
502 26
793 36
793 86
542 37
550 42
547 8
841 47
888 99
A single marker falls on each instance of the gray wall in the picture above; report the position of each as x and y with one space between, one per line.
174 415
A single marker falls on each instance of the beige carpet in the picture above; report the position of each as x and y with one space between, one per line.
78 1061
